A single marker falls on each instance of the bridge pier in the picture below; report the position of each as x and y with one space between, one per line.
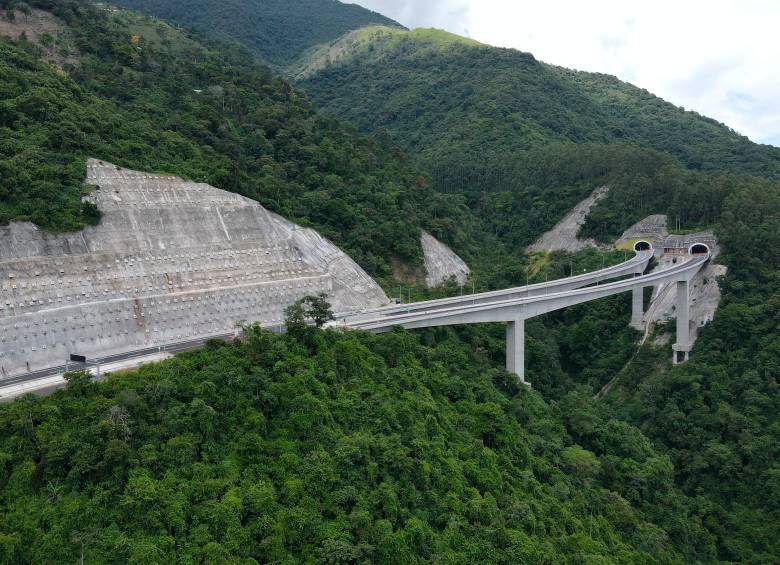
637 308
515 348
682 349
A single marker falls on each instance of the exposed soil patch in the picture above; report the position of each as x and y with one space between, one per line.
402 272
563 236
44 30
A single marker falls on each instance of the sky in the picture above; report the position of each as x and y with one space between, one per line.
720 58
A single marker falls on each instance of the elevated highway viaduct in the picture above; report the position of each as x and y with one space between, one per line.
514 306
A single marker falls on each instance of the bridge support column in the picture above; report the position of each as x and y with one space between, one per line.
682 349
637 308
515 348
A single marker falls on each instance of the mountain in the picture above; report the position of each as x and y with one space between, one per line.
144 95
409 446
446 99
279 31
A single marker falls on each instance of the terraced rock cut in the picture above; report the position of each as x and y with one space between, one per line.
170 261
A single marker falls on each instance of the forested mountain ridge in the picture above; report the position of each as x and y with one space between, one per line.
465 101
366 38
278 31
147 96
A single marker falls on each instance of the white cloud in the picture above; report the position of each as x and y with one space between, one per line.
718 57
451 15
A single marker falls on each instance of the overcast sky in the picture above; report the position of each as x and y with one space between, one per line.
718 57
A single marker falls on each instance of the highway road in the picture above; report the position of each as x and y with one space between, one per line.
636 265
488 307
53 371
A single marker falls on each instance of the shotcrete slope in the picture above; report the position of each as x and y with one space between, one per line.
441 262
170 260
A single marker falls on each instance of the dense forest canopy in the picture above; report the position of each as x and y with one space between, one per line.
278 31
339 448
465 101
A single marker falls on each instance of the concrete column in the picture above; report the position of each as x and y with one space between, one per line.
637 308
515 348
682 348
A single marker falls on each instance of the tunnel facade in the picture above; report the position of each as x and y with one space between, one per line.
699 249
643 245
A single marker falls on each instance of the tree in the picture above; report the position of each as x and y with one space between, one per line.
78 381
306 311
295 319
319 309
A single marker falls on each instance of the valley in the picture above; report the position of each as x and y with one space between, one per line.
176 178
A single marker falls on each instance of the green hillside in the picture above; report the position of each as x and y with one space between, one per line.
146 96
446 101
279 31
335 448
411 447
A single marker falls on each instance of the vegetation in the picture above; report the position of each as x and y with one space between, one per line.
410 447
279 31
462 102
520 197
349 448
717 416
146 96
306 312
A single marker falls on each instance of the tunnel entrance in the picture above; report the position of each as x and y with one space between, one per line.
699 249
642 246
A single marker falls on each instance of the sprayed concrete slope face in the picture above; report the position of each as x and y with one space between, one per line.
441 262
170 261
563 237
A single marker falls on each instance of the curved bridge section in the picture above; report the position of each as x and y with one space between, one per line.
514 306
634 266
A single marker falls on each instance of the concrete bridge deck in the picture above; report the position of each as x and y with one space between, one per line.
634 266
514 306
